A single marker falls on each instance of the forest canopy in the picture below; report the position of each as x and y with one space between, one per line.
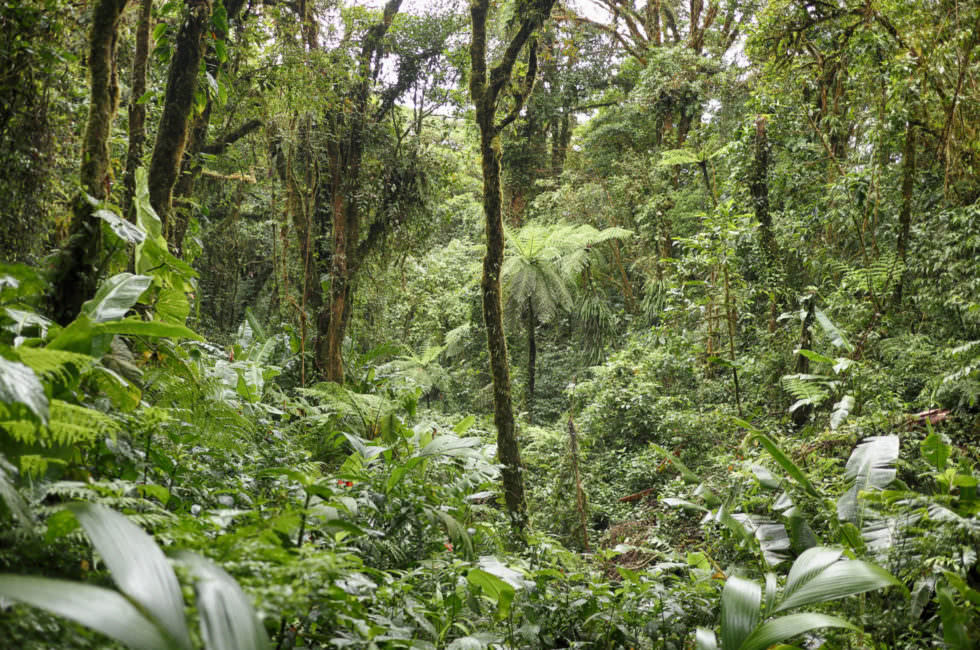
489 324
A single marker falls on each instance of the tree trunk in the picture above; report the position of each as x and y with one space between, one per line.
485 91
77 274
178 102
905 216
759 187
532 355
137 110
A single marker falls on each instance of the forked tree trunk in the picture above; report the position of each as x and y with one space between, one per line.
485 90
77 273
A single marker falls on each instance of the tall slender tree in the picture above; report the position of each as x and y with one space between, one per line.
487 89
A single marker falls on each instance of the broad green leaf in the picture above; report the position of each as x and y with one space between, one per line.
8 492
740 601
837 338
172 306
450 445
935 451
128 232
785 627
841 410
103 610
228 621
816 357
704 639
784 461
257 330
138 566
683 503
807 565
871 466
116 296
954 621
152 329
464 425
497 590
19 385
839 580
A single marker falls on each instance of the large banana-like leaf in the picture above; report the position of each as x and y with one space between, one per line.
740 601
871 466
785 627
138 566
116 296
843 578
19 384
228 621
103 610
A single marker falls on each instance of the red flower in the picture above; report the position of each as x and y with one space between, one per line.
449 547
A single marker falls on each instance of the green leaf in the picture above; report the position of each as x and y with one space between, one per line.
152 329
125 230
138 566
841 410
124 395
19 385
954 621
8 492
497 590
101 609
679 157
687 475
228 621
704 639
785 627
935 451
837 338
870 466
464 425
839 580
816 357
784 461
116 296
740 601
450 445
172 306
807 565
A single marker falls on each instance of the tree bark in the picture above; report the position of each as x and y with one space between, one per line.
78 274
485 91
759 188
178 103
532 355
905 216
137 110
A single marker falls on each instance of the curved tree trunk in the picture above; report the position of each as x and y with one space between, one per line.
178 102
77 274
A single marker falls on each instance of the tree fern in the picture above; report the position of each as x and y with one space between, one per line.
68 425
807 389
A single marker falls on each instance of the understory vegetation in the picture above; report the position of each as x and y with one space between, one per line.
518 324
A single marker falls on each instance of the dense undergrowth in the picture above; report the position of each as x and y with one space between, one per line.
357 517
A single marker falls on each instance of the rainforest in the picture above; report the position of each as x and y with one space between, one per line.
490 324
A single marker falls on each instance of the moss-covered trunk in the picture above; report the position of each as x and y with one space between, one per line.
178 102
78 274
485 90
137 109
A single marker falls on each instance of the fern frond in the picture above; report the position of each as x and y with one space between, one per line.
806 389
68 425
53 364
